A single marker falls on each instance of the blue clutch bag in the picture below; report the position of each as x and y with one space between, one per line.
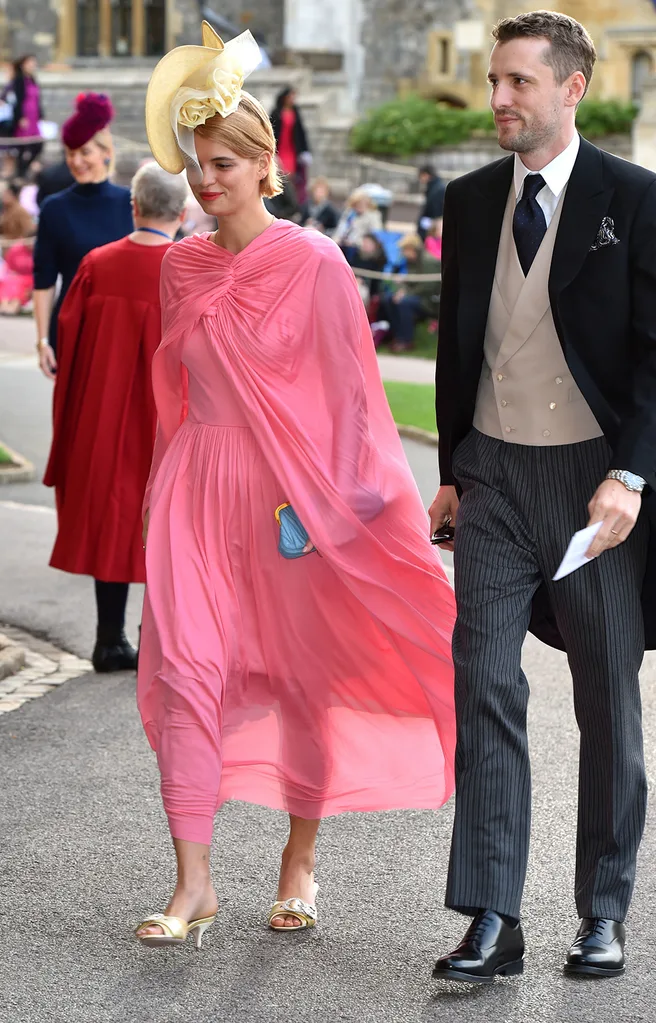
293 536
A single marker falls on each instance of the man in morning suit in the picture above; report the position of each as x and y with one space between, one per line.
546 405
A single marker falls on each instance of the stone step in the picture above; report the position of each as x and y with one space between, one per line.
12 657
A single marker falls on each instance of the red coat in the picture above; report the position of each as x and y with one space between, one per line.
104 411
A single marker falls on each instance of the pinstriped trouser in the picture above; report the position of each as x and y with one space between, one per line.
519 509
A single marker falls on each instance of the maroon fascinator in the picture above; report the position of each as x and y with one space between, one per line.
93 112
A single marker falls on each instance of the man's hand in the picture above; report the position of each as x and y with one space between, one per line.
444 509
618 509
399 295
47 361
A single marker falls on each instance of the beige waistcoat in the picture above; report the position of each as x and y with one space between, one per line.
527 394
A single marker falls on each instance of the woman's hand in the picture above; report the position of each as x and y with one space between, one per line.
47 361
144 532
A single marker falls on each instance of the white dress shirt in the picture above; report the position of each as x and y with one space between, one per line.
556 175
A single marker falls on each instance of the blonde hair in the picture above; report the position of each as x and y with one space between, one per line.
103 139
411 241
248 133
360 195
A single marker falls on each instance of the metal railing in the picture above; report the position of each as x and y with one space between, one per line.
382 275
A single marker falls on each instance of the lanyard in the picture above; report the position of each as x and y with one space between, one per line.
153 230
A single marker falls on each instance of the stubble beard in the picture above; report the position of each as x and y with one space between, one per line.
529 138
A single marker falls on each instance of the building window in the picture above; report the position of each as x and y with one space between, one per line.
445 56
440 55
155 27
113 28
121 28
642 67
88 27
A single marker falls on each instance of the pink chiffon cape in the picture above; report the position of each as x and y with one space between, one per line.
292 335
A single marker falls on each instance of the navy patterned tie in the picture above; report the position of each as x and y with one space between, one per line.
529 224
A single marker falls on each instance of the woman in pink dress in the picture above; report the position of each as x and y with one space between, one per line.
313 685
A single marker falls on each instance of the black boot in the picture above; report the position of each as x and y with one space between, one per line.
113 651
491 947
598 949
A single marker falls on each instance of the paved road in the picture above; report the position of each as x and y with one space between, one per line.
85 853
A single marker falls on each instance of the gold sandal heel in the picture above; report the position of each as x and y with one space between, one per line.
175 930
198 928
303 911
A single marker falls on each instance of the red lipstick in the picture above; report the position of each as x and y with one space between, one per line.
208 196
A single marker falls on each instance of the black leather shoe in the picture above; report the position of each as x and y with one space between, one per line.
598 949
490 948
114 653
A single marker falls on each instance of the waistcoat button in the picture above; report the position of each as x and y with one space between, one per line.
504 404
499 377
546 433
559 380
552 405
509 429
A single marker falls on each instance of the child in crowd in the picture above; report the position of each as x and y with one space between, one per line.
433 241
17 229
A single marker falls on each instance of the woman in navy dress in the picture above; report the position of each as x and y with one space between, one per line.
90 213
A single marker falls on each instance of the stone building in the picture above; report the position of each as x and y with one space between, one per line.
342 56
624 32
379 46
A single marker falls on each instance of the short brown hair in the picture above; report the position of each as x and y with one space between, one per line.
571 48
248 133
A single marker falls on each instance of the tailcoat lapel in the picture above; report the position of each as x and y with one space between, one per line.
586 204
480 245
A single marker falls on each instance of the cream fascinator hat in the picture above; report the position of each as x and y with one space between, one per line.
190 85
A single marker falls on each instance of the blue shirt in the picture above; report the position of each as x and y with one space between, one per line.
71 224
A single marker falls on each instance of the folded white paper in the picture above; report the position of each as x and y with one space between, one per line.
575 553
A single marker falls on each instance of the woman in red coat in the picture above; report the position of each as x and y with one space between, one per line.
104 412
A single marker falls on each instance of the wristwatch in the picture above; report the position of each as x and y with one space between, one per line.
629 479
42 343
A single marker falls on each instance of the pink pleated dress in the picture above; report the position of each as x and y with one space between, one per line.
260 678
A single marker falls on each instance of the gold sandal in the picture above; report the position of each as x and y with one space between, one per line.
175 930
303 911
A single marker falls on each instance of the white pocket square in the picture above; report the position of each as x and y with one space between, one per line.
606 235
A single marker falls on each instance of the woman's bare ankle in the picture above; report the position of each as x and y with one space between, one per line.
299 857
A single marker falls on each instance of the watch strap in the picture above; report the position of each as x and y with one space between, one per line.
630 480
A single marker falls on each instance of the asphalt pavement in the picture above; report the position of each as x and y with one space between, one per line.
85 853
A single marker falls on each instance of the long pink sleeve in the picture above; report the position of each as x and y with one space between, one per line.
176 396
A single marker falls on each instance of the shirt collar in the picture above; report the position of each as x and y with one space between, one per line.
556 174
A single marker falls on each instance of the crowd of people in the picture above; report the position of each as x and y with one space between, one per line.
358 228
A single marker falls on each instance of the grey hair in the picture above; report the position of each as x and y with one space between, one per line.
158 194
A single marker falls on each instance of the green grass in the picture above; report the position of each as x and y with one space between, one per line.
412 404
425 344
5 457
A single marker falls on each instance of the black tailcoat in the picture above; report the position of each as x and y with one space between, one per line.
602 288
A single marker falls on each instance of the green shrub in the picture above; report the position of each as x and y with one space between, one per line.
597 117
412 125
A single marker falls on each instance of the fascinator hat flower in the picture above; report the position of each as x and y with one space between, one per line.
190 85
